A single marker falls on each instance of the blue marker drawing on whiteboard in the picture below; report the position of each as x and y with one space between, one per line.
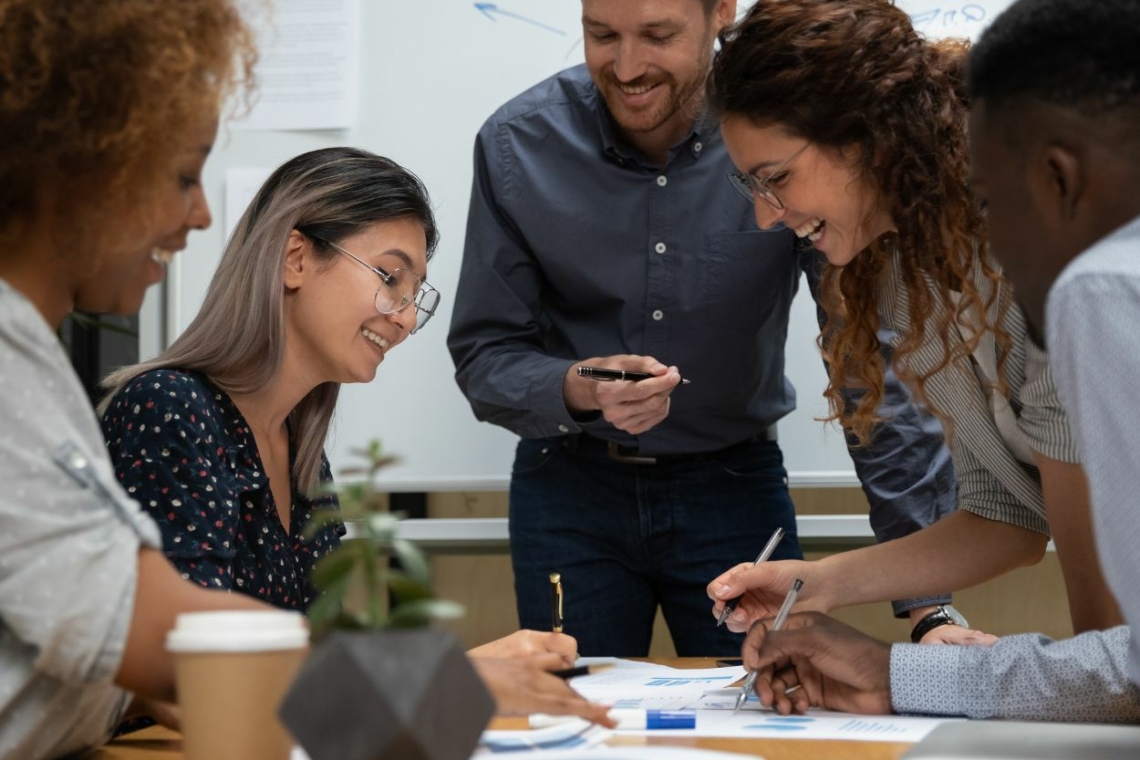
488 9
971 13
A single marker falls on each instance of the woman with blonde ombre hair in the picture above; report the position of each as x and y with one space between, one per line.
850 128
221 437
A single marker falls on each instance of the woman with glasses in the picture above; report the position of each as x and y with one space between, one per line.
221 437
849 128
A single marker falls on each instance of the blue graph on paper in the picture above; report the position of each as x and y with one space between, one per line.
714 681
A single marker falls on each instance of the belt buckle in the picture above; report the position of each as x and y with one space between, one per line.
615 454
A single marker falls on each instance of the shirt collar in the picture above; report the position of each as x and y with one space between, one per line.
619 150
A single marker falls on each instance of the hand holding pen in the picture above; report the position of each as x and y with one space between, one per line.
777 624
631 392
765 553
760 588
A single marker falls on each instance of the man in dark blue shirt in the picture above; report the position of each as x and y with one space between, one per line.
603 231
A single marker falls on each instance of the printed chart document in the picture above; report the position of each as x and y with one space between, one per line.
575 734
712 693
656 687
630 753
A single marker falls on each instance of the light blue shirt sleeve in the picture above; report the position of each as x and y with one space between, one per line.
1093 311
1025 677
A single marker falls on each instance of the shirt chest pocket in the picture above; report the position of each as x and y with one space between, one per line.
81 468
752 278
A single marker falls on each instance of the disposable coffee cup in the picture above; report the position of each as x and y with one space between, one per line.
232 670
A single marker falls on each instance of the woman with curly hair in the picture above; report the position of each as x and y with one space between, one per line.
107 114
849 128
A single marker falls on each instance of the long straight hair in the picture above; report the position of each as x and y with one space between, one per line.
237 338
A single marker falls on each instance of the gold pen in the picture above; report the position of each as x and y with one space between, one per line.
556 602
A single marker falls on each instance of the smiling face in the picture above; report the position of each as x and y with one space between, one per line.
115 281
333 331
649 59
825 197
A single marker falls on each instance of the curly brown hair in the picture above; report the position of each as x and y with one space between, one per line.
845 73
94 95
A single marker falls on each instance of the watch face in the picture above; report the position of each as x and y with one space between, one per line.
957 617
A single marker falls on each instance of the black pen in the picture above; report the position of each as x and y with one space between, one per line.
763 556
581 670
604 375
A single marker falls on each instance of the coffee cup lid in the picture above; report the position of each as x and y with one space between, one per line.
238 631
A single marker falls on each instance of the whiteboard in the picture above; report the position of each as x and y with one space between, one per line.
431 71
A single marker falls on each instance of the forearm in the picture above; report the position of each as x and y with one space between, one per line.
1091 605
160 595
520 390
1026 677
959 551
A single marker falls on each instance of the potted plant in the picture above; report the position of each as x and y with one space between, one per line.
380 683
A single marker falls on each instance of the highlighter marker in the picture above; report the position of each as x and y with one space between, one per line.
629 719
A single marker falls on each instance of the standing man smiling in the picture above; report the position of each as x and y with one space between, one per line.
603 231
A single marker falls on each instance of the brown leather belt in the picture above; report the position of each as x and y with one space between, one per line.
627 455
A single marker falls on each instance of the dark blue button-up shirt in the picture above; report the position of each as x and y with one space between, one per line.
579 246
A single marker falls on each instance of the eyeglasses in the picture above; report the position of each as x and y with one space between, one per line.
752 187
400 289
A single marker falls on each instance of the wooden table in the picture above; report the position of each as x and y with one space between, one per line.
161 744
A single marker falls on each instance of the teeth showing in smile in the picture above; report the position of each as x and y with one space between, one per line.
162 255
811 229
375 338
635 90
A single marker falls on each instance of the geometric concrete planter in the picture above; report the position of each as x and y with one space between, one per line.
387 695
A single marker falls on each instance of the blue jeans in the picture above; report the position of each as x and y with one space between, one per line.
629 537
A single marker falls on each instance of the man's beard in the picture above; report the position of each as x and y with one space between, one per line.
685 101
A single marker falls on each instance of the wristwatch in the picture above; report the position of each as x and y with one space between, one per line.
943 614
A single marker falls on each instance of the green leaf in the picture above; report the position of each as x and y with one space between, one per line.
327 608
332 567
406 590
381 529
412 561
420 613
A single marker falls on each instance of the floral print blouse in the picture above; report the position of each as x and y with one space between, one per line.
183 450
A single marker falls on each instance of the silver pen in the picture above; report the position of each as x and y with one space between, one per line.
781 618
765 553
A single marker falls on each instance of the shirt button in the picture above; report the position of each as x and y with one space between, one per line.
658 315
563 429
662 181
660 248
697 147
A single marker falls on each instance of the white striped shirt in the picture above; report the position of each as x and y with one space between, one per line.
991 481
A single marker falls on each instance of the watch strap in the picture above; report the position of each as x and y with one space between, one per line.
940 616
